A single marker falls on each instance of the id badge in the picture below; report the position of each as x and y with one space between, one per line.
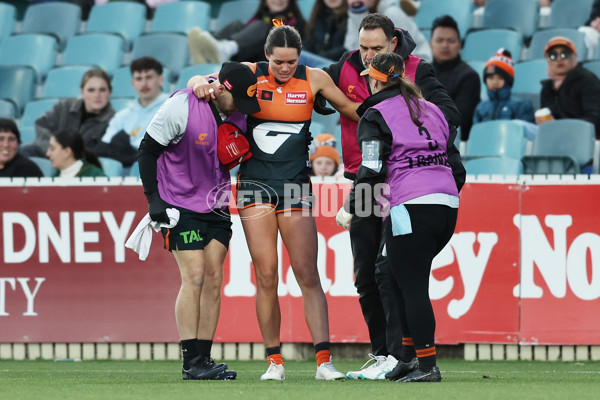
370 155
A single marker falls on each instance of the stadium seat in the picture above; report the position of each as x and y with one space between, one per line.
494 166
329 122
59 19
478 66
35 50
134 170
45 165
481 45
33 110
111 167
559 144
181 16
460 10
306 7
17 84
125 18
528 76
102 50
236 9
200 69
569 13
8 15
521 15
593 66
541 37
170 49
499 138
7 109
64 81
121 103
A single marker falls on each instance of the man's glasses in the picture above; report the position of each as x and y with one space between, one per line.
555 55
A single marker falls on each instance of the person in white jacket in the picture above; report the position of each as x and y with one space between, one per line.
358 9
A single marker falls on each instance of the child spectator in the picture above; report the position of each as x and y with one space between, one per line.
324 157
498 76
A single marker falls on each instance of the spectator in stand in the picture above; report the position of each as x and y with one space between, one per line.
13 164
244 42
572 91
498 76
591 30
126 129
71 158
325 33
460 80
89 115
358 9
324 157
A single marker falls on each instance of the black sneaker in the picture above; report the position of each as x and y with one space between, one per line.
402 369
227 375
203 368
423 376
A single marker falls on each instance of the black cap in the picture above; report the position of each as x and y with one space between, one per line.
241 82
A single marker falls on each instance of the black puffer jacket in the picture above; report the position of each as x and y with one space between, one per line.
578 97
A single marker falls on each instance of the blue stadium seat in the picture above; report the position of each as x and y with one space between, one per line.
306 7
181 16
58 19
125 18
121 103
103 50
593 66
17 84
8 15
35 50
499 138
528 75
121 83
111 167
460 10
35 109
521 15
329 122
45 165
135 170
559 144
7 109
64 81
569 13
481 45
541 37
494 166
236 9
200 69
170 49
478 66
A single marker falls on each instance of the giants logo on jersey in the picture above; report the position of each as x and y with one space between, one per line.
296 98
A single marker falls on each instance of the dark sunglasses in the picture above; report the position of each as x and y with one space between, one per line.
555 55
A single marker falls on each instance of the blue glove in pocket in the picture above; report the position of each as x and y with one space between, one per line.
400 220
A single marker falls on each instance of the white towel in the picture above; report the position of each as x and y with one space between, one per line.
141 238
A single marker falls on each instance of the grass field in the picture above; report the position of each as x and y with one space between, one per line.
463 380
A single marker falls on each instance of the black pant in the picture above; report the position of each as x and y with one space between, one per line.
365 237
409 266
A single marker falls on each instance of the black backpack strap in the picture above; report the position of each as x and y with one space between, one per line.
215 113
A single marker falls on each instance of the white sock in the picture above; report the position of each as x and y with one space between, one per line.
228 49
